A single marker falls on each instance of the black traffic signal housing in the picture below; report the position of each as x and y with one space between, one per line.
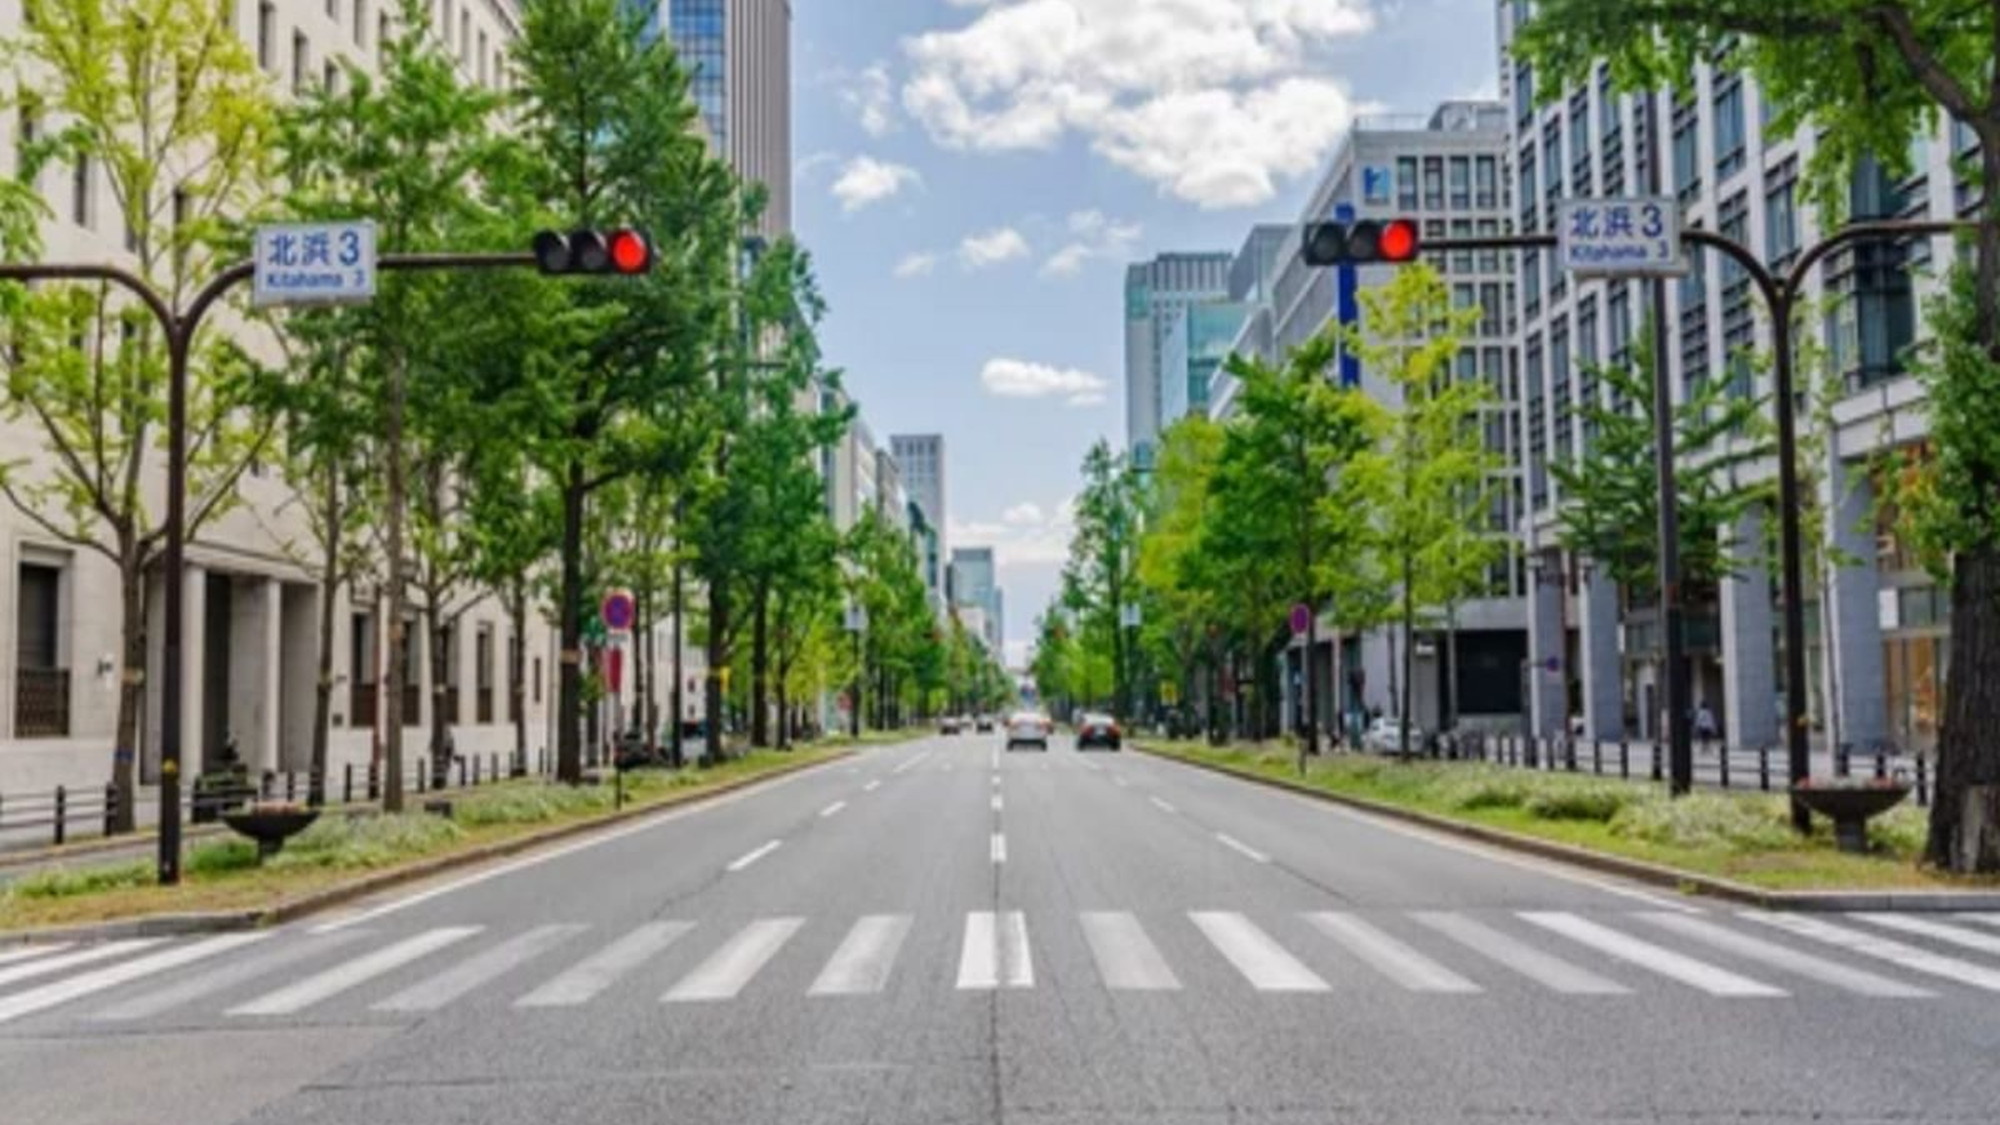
625 251
1364 242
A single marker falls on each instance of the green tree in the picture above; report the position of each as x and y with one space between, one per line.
1868 78
1098 578
1427 482
1183 600
160 98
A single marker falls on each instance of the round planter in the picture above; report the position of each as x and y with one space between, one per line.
1850 808
270 827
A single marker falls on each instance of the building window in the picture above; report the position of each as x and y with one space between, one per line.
361 23
1461 260
330 78
1485 181
1524 95
1531 283
1530 199
1781 220
1489 259
1461 182
80 195
1559 387
465 39
1618 324
1728 128
362 673
1687 169
1694 319
1433 183
483 75
267 35
333 9
482 674
1552 159
1586 366
1489 308
1538 474
538 680
41 681
301 62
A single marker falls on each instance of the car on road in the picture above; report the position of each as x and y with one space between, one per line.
1028 728
1384 736
951 724
983 724
1097 729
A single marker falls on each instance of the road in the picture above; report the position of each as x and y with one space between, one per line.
941 933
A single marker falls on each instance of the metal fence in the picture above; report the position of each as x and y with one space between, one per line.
1762 768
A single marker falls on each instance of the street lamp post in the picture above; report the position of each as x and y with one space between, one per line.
857 624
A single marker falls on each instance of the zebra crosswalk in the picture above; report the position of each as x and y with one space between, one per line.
1743 955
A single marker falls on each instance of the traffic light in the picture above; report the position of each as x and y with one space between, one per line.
622 251
1361 243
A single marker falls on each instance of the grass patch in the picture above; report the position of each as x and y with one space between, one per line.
223 873
1746 837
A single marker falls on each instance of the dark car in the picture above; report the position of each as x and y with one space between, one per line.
1098 730
983 724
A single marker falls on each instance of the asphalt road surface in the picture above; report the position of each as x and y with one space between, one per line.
943 932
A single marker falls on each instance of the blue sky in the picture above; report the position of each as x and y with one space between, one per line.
972 177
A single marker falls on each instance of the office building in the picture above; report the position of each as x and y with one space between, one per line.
921 459
738 54
1197 340
1250 289
1155 292
973 586
1709 147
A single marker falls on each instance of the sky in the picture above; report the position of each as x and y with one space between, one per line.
972 177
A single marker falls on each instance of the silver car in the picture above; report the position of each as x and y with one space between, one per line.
1028 728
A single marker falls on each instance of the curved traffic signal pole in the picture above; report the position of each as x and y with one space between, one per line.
1781 295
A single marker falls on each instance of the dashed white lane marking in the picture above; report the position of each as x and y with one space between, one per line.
999 848
996 802
755 854
832 808
872 786
912 763
1234 844
1164 806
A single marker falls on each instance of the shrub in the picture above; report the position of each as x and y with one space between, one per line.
66 882
1707 820
529 804
374 841
1585 802
1484 791
218 856
1901 831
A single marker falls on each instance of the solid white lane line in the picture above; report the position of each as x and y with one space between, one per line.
705 804
995 951
1782 957
998 851
1941 931
1525 959
1697 974
8 956
1164 806
84 956
474 971
1261 960
597 972
728 969
226 976
1228 841
912 763
83 984
872 786
865 957
1388 956
833 808
1126 957
359 971
996 802
1886 949
755 854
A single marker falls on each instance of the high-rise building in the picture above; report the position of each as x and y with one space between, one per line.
1154 292
921 459
973 585
1250 288
1708 146
738 54
1197 339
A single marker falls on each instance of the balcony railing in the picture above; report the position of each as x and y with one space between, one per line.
41 703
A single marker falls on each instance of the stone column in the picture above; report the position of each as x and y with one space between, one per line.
255 663
1603 672
1749 675
1853 593
1547 709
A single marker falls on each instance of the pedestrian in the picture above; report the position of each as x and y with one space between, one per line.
1704 723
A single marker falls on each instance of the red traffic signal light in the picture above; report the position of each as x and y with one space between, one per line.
622 251
1365 242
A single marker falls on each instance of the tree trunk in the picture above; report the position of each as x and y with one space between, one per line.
784 700
398 671
440 660
1409 661
1965 817
718 657
642 662
569 688
760 667
1449 663
329 588
517 673
132 684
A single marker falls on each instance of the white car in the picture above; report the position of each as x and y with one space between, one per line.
1384 736
1028 728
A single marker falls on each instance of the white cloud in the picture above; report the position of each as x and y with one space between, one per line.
867 95
1214 101
1015 378
1025 514
1003 244
1092 236
866 181
919 264
809 165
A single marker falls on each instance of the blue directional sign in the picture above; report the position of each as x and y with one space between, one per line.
1620 237
1347 303
314 264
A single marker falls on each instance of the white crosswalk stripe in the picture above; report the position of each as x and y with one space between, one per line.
25 952
1553 972
1886 949
728 969
229 975
1388 956
1126 958
1676 966
84 956
474 971
602 969
865 958
71 988
1261 960
1784 957
995 951
1983 917
340 978
1942 931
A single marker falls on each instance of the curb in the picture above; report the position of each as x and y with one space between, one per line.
223 921
1637 870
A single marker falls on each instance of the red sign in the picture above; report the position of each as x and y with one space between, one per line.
614 667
